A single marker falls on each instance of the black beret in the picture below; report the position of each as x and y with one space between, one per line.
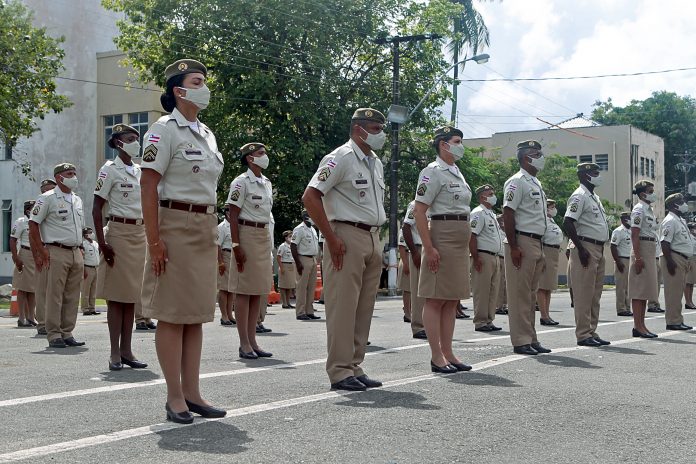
119 129
447 131
584 167
368 114
251 148
529 144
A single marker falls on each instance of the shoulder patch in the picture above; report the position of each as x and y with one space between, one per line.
234 196
636 220
474 222
574 207
100 184
103 174
324 173
150 153
422 188
153 138
510 194
410 214
37 208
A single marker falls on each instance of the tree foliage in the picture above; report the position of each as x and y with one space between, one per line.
30 60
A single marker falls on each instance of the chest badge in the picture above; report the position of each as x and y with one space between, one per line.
362 194
195 169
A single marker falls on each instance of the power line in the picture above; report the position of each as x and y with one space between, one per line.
569 78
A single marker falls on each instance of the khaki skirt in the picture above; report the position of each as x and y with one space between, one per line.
288 278
25 281
643 286
223 281
123 281
403 279
257 277
691 271
185 292
451 281
549 278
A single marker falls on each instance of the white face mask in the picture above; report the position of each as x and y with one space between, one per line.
537 163
70 182
376 141
552 212
133 149
650 197
457 150
683 208
596 181
261 161
492 200
199 97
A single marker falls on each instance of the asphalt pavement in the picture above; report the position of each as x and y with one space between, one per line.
629 402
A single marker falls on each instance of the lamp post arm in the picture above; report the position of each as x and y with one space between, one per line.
437 81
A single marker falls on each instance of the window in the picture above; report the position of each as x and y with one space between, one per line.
642 166
139 121
652 169
6 224
585 158
572 158
109 123
6 151
634 158
602 161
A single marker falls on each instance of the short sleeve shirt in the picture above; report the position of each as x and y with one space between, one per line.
306 239
60 217
503 239
410 219
485 226
643 218
20 231
253 196
188 160
285 253
91 250
224 235
525 196
674 231
353 189
120 188
590 219
553 235
621 237
443 188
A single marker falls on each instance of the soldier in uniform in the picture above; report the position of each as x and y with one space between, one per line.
345 198
180 171
621 252
501 304
250 201
403 272
549 278
691 273
286 271
642 275
40 294
415 245
55 233
586 225
677 247
444 273
47 184
654 305
24 275
304 245
88 292
485 245
225 296
524 214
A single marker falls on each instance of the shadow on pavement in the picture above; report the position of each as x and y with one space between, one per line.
624 350
371 348
382 399
564 361
70 351
212 437
480 379
675 341
128 375
261 362
272 334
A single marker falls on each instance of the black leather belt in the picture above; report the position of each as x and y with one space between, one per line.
488 252
24 247
122 220
93 267
529 234
258 225
680 254
552 246
591 240
288 262
449 217
625 257
360 225
227 249
190 207
60 245
308 256
647 239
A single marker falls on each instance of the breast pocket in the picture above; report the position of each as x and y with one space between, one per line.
455 192
535 199
361 186
126 190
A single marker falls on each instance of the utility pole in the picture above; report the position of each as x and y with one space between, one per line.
687 162
395 41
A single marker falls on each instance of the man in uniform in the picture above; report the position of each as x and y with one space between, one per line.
485 244
621 252
345 198
414 244
677 248
501 306
586 225
304 246
90 251
46 185
524 216
654 306
55 232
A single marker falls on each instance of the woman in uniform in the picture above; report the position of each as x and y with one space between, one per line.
286 270
24 276
642 277
548 282
120 272
250 202
444 271
225 297
181 167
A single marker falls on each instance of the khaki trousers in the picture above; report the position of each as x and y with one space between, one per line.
65 274
417 302
674 288
350 300
587 289
623 303
485 288
306 282
139 313
502 291
89 289
522 285
660 281
42 280
263 307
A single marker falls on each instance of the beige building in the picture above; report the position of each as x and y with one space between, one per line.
625 154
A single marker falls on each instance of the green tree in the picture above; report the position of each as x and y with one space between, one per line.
29 62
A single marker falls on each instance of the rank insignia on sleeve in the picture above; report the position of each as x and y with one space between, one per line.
510 195
421 189
636 220
410 215
36 210
573 208
324 174
474 222
100 183
150 153
235 195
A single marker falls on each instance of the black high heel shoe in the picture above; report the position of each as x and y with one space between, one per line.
461 367
648 334
249 355
262 354
115 366
209 412
133 363
446 369
178 417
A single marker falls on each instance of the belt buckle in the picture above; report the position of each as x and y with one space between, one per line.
139 222
210 209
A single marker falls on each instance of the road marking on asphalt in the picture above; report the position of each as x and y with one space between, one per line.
253 370
98 440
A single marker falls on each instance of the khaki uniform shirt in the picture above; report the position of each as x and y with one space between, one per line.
120 186
353 191
224 235
444 189
485 226
60 217
188 160
524 195
643 218
20 231
306 239
285 253
253 196
621 237
587 211
553 235
410 219
674 231
401 241
91 250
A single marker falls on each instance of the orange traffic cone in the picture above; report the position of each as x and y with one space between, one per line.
319 287
273 296
14 307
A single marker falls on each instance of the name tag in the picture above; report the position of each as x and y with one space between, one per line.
256 197
361 181
536 194
62 211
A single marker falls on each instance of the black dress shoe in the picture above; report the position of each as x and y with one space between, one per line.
368 382
462 315
115 366
406 319
141 326
263 354
420 334
349 384
525 349
636 333
446 369
32 323
656 309
151 325
184 417
484 328
501 311
589 341
249 355
313 316
57 343
688 306
461 367
209 412
70 341
234 322
625 314
548 321
291 307
601 341
303 317
223 322
41 331
285 307
678 327
134 363
539 349
494 328
260 329
21 323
